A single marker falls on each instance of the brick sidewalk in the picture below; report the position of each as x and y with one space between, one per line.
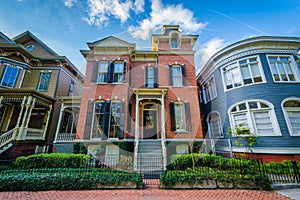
146 194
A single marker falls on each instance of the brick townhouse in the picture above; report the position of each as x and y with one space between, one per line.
145 99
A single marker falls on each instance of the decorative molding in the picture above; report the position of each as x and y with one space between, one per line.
254 52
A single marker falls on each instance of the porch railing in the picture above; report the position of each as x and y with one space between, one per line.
35 134
65 137
8 137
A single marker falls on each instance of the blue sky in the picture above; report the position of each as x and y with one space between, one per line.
67 25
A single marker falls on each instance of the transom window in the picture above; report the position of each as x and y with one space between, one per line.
176 75
209 90
44 81
257 115
10 76
102 72
283 69
243 72
214 125
291 110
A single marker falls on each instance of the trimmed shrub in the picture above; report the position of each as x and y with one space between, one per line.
53 160
65 179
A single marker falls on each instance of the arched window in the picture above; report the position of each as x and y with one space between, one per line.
214 125
291 109
257 115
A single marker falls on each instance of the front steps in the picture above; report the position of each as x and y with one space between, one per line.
150 158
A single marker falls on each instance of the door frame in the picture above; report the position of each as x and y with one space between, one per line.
155 105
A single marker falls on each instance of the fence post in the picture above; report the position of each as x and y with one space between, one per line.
296 170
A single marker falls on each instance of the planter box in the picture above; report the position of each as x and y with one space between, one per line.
122 185
206 184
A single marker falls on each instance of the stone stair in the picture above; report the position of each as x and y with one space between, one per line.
150 158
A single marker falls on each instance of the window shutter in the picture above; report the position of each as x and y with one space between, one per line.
124 71
146 77
188 116
156 77
121 133
129 118
106 118
94 72
184 78
88 121
172 116
170 75
110 73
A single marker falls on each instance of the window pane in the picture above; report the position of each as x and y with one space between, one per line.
215 126
115 119
246 75
237 79
118 67
289 72
292 103
256 73
282 72
98 120
240 119
263 123
294 117
274 72
44 81
242 106
10 76
228 80
177 76
179 117
253 105
102 72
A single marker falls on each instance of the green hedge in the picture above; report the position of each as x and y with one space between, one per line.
249 181
64 179
53 160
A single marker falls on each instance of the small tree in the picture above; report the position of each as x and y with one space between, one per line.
244 137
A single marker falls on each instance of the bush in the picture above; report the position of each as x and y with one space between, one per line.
79 148
53 160
64 179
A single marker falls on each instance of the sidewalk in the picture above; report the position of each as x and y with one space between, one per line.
293 193
146 194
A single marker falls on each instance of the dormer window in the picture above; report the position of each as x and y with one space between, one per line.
174 41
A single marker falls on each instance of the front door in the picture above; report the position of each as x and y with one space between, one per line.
150 124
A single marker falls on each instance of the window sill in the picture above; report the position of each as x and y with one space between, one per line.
181 131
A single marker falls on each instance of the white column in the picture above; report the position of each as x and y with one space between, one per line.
137 134
136 139
163 132
48 119
59 121
28 104
21 111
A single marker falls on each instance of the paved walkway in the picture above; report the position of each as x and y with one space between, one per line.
146 194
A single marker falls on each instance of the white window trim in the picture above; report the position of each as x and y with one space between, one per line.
286 116
184 119
98 72
242 83
214 88
181 76
111 155
41 74
221 135
293 65
250 118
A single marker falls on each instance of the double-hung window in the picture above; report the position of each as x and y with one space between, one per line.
150 77
180 116
71 89
209 90
102 72
283 69
108 119
291 110
118 72
214 125
177 75
256 115
44 81
10 76
243 72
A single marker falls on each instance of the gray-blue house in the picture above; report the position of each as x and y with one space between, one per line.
255 82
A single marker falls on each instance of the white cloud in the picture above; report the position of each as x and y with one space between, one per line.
167 14
100 11
69 3
207 50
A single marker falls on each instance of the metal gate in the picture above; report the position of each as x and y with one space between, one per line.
151 167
